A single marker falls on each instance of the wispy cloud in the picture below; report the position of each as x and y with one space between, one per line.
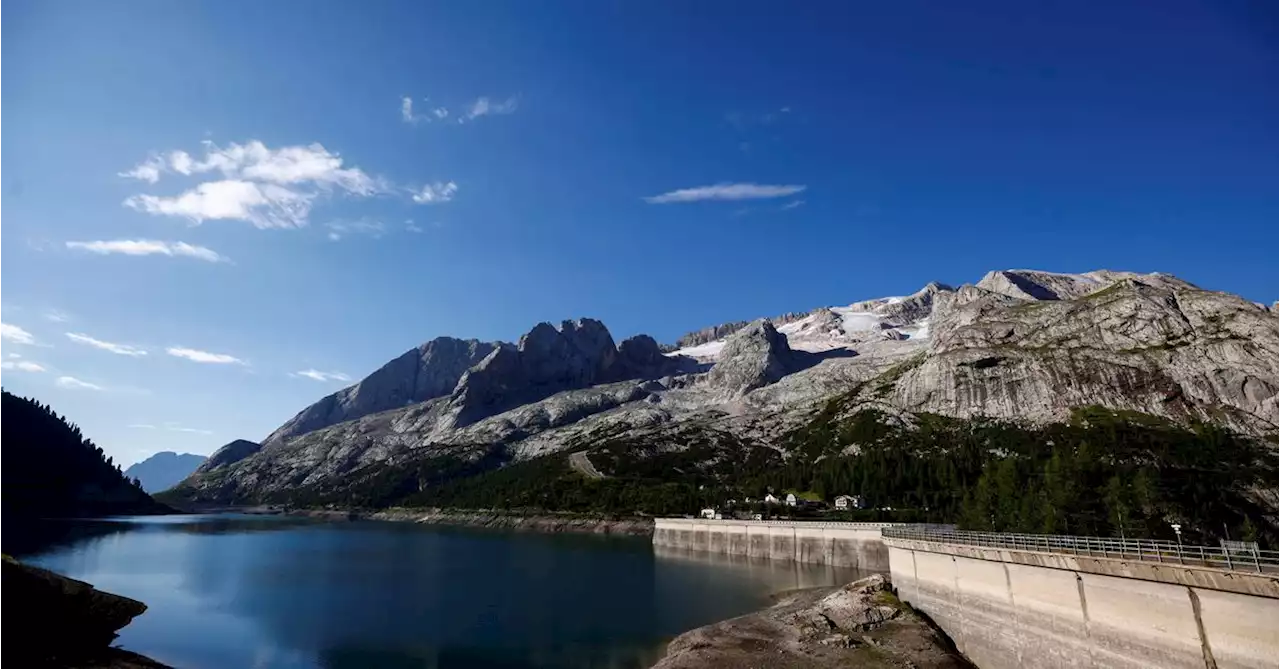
147 247
435 193
16 334
56 316
317 375
792 205
410 226
118 349
171 427
364 226
196 355
22 366
725 191
73 383
148 170
483 106
269 188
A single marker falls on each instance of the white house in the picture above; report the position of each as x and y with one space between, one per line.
708 513
791 499
771 499
849 502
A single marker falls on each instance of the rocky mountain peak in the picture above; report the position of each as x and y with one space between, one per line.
753 357
429 370
229 454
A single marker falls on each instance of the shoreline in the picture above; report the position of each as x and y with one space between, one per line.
550 523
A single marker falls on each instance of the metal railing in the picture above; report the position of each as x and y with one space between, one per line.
1146 550
846 525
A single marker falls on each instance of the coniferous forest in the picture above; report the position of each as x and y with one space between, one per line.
1102 473
51 470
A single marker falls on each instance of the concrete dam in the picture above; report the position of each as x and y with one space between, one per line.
856 545
1011 601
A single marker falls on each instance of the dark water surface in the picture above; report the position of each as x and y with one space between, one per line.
230 591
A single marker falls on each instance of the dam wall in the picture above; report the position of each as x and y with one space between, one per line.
1006 609
855 545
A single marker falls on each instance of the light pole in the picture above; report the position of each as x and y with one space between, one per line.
1177 529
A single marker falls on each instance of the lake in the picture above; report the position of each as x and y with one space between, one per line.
267 591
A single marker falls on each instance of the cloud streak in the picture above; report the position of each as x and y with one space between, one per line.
118 349
196 355
15 334
22 366
436 193
725 192
317 375
147 247
171 427
72 383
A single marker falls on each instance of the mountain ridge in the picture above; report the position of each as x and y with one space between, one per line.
1020 344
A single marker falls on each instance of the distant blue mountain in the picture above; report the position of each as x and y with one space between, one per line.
164 470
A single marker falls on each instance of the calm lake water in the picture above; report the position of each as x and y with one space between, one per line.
260 591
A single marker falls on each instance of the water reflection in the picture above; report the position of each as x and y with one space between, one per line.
279 592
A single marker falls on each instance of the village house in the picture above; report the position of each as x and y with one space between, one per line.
849 502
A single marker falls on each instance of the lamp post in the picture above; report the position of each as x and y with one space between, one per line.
1177 530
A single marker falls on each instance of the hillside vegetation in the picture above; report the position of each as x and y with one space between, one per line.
1103 472
51 470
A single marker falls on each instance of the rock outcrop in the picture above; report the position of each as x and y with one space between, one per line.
753 357
55 621
860 624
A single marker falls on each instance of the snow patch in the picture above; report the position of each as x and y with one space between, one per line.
856 321
707 351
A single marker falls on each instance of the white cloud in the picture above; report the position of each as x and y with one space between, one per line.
118 349
14 355
410 226
436 192
16 334
270 188
56 316
485 107
195 355
263 205
148 171
406 110
440 112
22 366
171 427
363 226
73 383
317 375
146 247
792 205
725 191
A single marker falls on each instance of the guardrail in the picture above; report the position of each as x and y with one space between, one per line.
848 525
1147 550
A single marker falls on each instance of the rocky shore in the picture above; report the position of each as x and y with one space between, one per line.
486 518
62 622
542 522
861 624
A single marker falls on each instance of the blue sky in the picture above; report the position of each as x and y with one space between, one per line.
660 166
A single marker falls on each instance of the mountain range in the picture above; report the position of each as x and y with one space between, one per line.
1021 345
164 469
